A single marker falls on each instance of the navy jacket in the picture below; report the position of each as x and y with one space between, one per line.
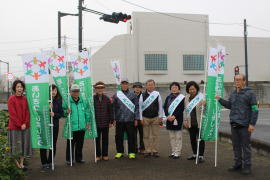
178 112
243 106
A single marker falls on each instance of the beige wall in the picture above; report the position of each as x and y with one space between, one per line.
153 33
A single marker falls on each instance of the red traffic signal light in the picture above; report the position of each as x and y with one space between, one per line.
116 17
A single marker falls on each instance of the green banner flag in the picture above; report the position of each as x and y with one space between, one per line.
37 93
57 65
81 71
215 85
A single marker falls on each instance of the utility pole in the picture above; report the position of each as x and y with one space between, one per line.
246 53
60 14
80 24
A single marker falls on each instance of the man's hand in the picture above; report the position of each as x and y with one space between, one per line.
23 127
51 105
136 123
52 114
88 126
110 125
114 123
217 97
186 124
68 110
171 118
251 128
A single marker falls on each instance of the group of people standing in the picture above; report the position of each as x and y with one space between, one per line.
131 112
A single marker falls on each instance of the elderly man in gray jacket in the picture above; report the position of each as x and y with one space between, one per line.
126 115
243 117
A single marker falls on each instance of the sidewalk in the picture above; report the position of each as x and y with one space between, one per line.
156 169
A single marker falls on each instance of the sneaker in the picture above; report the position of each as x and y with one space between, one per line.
147 155
176 157
235 168
156 155
246 170
171 155
131 156
193 157
200 159
105 158
118 155
80 161
98 158
45 166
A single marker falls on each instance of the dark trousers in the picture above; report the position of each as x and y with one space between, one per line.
77 143
103 136
43 152
121 128
241 144
194 134
139 129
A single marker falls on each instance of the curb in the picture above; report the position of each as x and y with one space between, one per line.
260 147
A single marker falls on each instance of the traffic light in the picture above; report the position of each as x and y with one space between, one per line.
236 70
109 18
116 17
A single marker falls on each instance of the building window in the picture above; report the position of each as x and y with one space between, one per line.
155 62
193 62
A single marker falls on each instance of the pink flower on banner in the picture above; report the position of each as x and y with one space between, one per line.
85 61
42 64
75 63
213 58
49 61
28 64
61 58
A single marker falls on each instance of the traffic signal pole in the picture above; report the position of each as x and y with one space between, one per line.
246 54
80 24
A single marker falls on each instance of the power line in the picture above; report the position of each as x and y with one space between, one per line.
177 17
259 28
27 41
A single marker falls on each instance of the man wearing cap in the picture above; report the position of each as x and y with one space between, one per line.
151 116
80 119
104 120
137 87
126 114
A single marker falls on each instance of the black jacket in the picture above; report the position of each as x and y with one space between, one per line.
178 112
243 106
58 111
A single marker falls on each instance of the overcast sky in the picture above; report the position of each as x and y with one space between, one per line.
31 25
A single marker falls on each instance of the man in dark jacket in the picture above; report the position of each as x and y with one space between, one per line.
137 87
243 117
126 115
104 120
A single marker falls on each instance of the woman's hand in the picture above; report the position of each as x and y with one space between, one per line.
23 127
52 114
68 110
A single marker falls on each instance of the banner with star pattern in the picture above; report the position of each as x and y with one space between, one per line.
37 93
57 66
81 71
215 85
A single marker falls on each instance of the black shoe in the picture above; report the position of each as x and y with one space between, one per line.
176 157
80 161
192 158
171 156
235 168
155 155
200 159
246 170
69 163
147 155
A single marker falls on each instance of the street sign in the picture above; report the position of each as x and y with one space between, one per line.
10 76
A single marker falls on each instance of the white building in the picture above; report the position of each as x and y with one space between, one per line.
174 48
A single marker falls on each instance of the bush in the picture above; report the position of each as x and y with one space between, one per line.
8 168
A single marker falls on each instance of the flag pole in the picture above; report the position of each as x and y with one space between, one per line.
204 87
91 74
68 103
216 134
52 149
